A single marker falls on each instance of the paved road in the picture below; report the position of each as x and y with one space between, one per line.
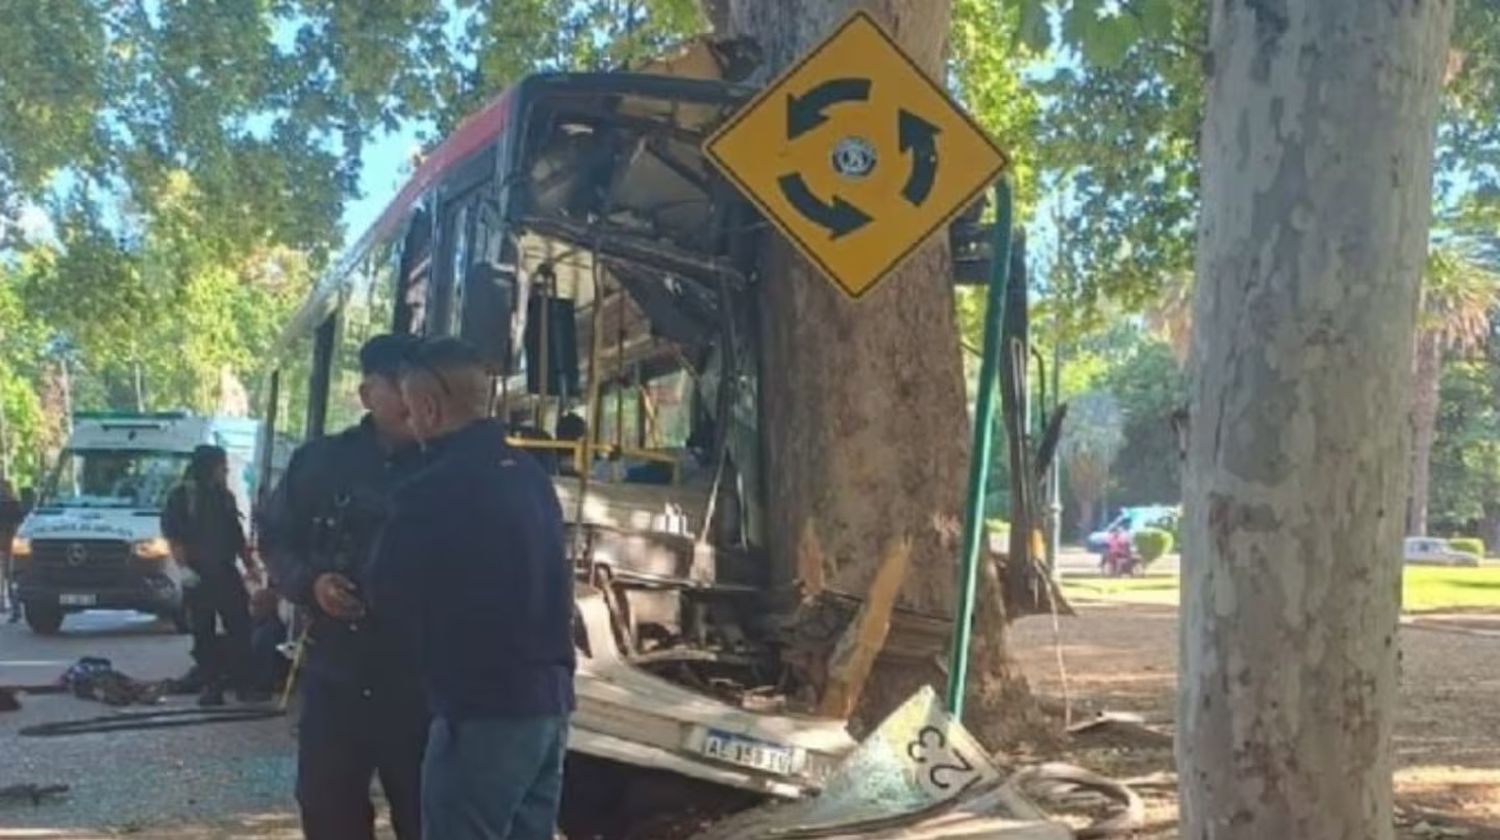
133 782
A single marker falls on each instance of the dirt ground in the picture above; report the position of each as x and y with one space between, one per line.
1124 658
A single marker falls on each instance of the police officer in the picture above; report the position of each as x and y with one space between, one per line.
201 520
363 713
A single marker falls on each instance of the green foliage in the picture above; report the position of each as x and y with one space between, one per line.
52 83
1120 136
1468 162
987 71
206 150
508 40
1091 440
1151 544
22 348
1465 493
1121 139
155 322
1468 545
1146 381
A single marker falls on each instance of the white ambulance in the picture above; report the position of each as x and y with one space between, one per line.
93 540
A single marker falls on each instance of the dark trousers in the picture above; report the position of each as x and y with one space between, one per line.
344 739
494 779
221 661
268 667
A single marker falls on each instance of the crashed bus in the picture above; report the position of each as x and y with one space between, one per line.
573 233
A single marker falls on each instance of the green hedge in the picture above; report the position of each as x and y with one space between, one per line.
1468 545
1151 544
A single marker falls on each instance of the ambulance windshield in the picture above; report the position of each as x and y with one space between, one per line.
115 478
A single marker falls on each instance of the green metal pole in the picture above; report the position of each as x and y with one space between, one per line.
979 457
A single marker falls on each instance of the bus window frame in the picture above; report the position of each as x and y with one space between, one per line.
320 377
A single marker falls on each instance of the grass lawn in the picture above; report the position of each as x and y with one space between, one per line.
1426 589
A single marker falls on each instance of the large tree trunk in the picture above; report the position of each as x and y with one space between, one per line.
1317 167
1426 380
864 415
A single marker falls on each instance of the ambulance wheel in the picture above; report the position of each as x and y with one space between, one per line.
44 619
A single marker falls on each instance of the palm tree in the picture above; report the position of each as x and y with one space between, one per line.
1171 316
1090 443
1459 295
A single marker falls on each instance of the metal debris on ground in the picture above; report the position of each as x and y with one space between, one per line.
1065 786
919 775
1121 726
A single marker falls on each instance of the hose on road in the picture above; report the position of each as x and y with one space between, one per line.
158 719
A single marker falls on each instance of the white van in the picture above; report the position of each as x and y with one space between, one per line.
93 540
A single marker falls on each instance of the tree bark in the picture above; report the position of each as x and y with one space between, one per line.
865 424
1317 169
1426 380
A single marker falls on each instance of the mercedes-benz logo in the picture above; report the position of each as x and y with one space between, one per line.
77 554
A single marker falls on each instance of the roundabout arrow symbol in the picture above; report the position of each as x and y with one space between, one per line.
805 113
920 138
839 216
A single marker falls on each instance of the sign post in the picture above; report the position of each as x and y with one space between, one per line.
979 454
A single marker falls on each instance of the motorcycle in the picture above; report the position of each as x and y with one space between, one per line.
1120 560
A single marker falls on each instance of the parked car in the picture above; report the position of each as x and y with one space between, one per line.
1133 519
1436 551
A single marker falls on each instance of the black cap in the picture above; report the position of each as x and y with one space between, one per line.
444 353
384 355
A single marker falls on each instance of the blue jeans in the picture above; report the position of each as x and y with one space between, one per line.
493 779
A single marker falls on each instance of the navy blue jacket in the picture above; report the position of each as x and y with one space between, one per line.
472 557
324 516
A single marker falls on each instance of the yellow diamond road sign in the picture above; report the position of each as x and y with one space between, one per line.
856 155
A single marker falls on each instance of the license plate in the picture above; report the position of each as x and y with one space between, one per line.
71 600
747 752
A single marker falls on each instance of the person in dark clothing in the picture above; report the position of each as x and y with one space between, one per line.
362 710
28 501
201 521
473 558
11 514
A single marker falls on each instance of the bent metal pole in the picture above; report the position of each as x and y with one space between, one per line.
979 454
